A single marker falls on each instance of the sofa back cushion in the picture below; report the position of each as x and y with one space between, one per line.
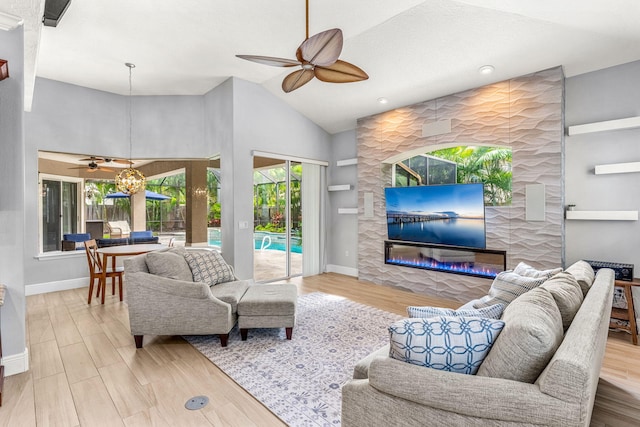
507 286
567 294
455 344
532 333
583 273
170 264
526 270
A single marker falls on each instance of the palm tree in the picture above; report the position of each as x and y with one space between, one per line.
489 165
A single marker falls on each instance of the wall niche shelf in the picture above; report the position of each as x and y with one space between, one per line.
617 168
603 215
348 211
339 187
619 124
347 162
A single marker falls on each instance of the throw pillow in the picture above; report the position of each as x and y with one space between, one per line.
169 264
507 286
584 274
526 270
455 344
568 296
491 312
209 267
530 337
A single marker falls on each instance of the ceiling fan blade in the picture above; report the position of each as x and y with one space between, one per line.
340 72
324 48
121 161
270 60
296 79
103 169
93 159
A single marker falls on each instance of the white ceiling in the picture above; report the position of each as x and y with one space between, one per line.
412 50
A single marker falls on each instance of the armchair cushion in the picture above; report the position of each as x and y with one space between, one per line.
169 264
142 237
231 292
455 344
209 267
491 312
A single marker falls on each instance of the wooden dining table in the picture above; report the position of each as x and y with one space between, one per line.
114 252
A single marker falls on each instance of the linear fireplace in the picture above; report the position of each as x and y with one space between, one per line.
485 263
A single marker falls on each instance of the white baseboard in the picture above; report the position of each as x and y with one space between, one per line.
347 271
16 363
60 285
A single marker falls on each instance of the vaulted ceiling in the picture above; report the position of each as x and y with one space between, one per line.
412 50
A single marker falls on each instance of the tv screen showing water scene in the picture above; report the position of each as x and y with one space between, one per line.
441 214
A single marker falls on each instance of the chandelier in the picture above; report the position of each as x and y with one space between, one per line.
130 180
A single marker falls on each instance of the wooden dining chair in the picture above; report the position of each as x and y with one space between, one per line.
95 272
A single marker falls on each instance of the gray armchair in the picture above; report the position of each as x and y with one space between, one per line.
165 306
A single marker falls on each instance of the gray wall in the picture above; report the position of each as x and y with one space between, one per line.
232 120
612 93
342 243
12 189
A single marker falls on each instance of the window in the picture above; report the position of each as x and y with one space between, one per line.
462 164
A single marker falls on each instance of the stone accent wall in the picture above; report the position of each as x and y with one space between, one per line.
525 113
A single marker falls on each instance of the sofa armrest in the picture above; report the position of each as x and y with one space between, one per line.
469 395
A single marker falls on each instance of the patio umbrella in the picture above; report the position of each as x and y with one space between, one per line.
150 195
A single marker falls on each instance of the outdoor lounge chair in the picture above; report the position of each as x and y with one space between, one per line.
119 229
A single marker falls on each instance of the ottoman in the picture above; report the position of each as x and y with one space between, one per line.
268 306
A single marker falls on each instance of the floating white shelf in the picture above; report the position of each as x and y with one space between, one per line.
347 162
348 211
340 187
603 215
618 168
628 123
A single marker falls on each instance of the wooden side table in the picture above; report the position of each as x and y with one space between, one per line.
628 313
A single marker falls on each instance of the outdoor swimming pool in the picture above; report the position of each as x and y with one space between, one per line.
263 241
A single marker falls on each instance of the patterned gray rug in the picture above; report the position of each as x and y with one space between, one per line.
300 380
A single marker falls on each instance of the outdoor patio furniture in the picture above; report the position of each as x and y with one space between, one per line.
118 229
74 241
136 237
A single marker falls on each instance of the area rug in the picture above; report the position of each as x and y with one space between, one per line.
300 380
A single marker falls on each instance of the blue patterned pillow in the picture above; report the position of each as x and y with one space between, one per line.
491 312
209 267
455 344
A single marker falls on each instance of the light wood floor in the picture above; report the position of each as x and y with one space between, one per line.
86 371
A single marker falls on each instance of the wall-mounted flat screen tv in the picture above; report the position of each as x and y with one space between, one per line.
440 214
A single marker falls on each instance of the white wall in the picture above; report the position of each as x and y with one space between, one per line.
12 207
342 230
608 94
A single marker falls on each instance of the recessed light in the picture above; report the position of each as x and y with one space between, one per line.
486 69
383 100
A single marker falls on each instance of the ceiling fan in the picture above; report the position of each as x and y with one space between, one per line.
95 159
94 167
318 57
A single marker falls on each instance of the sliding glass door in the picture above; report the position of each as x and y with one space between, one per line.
60 211
277 219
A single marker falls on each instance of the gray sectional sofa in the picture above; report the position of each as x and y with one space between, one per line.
390 392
